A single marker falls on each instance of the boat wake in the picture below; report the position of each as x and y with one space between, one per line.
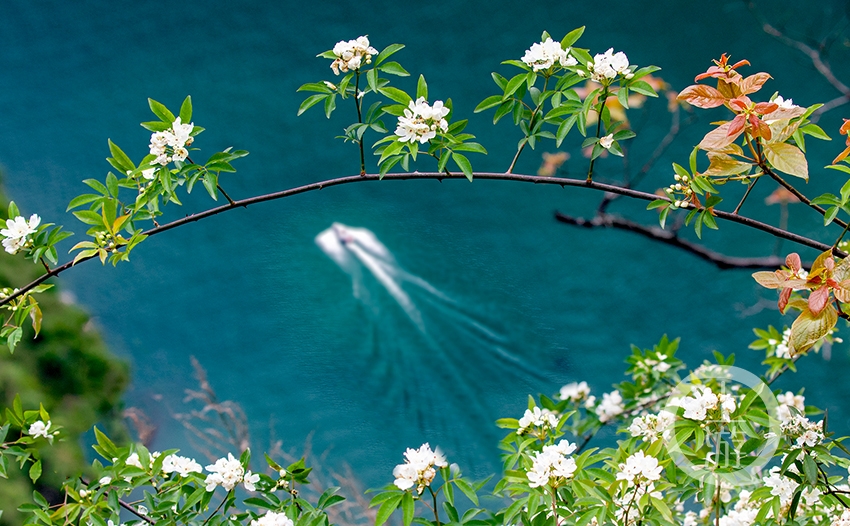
426 349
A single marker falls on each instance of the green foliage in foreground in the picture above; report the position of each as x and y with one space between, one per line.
69 369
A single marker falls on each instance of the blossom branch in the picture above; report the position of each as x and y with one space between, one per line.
535 179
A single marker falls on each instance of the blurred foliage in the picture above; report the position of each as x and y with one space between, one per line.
69 369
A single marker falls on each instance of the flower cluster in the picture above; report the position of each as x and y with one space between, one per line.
610 406
180 465
544 55
17 232
650 427
539 418
40 429
421 121
228 472
575 391
682 187
552 466
639 468
786 402
702 399
352 54
608 65
782 350
803 432
419 468
272 519
173 141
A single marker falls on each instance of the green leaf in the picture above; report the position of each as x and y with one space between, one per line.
571 37
514 85
156 126
97 186
186 110
643 88
119 159
310 101
489 102
464 165
330 105
14 338
810 468
422 88
407 508
467 490
815 131
394 68
112 184
372 79
386 52
89 217
81 200
395 94
387 508
161 111
35 471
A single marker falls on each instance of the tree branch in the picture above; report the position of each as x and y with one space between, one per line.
535 179
722 261
814 55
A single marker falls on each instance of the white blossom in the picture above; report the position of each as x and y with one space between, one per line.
226 472
351 54
249 480
40 429
784 104
780 486
17 232
651 427
421 121
639 468
802 431
702 399
272 518
180 465
610 406
786 402
536 417
176 138
552 466
575 391
419 468
608 65
133 460
105 480
607 141
544 55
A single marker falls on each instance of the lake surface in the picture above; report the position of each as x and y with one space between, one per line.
277 323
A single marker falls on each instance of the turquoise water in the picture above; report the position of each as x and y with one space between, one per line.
275 321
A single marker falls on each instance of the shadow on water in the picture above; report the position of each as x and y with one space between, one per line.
438 358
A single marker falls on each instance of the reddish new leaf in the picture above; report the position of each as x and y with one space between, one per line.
784 296
718 138
793 262
787 158
753 83
770 280
737 125
702 96
818 299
